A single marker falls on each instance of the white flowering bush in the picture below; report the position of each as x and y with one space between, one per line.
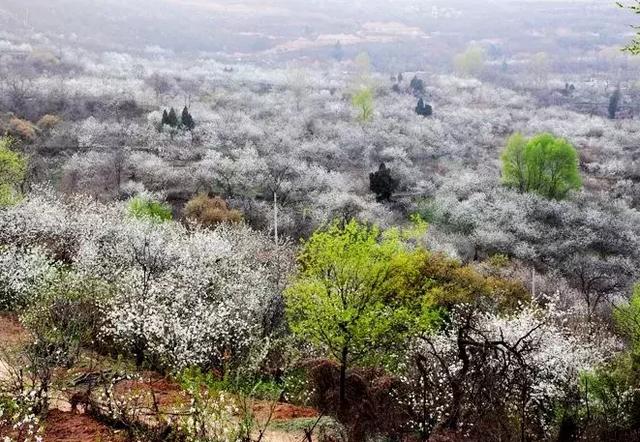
23 273
18 421
486 369
178 295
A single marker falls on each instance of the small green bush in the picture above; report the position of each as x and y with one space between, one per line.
13 169
143 207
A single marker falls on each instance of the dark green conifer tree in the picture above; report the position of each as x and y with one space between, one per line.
172 118
187 119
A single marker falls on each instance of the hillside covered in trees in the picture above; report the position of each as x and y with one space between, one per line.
242 221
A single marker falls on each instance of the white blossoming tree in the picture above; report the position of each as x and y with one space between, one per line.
180 295
501 373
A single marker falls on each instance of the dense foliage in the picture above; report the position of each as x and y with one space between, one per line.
13 168
544 164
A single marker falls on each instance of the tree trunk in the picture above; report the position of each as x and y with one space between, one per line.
343 378
457 386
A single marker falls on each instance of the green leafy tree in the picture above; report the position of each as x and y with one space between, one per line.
471 62
362 87
363 102
345 297
146 208
634 46
612 390
13 169
627 319
544 164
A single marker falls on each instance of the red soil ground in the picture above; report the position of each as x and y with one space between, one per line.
11 331
167 393
282 411
70 427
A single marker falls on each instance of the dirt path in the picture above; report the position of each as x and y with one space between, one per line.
281 436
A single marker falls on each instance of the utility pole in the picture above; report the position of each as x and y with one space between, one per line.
275 217
533 283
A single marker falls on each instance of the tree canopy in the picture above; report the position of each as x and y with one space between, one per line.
344 298
363 101
382 183
634 46
543 164
13 168
471 62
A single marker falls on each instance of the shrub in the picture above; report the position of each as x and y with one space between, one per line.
13 169
210 211
371 409
211 413
382 183
23 274
612 390
48 122
22 129
66 316
502 374
424 109
143 207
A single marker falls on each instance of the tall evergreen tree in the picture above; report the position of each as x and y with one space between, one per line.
165 117
424 109
187 119
172 118
614 103
417 86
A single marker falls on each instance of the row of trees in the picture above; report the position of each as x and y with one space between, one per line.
171 119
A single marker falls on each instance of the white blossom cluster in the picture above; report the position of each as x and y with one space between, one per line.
486 362
182 295
17 415
23 273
